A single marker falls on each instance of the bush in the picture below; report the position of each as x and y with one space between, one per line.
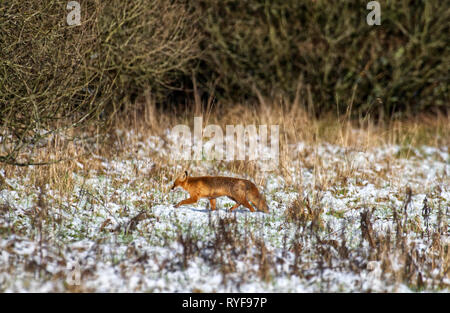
55 76
321 53
325 50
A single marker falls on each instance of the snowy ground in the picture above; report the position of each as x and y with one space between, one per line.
118 229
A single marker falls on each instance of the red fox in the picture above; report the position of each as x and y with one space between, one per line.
241 191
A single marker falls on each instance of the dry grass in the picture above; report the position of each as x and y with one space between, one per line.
315 246
146 120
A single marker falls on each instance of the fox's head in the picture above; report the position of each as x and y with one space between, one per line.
180 180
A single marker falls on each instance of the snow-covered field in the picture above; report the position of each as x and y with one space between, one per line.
340 221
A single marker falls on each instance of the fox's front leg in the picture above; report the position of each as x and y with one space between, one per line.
235 206
187 201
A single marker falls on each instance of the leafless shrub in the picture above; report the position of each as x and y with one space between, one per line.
366 227
426 210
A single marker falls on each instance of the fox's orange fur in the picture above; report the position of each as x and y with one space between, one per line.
242 191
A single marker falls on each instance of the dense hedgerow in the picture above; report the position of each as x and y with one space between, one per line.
326 51
321 48
319 54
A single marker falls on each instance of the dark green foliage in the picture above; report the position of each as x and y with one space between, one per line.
283 46
321 52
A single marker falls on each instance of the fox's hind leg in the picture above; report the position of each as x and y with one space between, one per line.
212 202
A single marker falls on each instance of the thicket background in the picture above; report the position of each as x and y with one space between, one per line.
318 54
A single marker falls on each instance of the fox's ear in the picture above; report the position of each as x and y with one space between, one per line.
186 174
